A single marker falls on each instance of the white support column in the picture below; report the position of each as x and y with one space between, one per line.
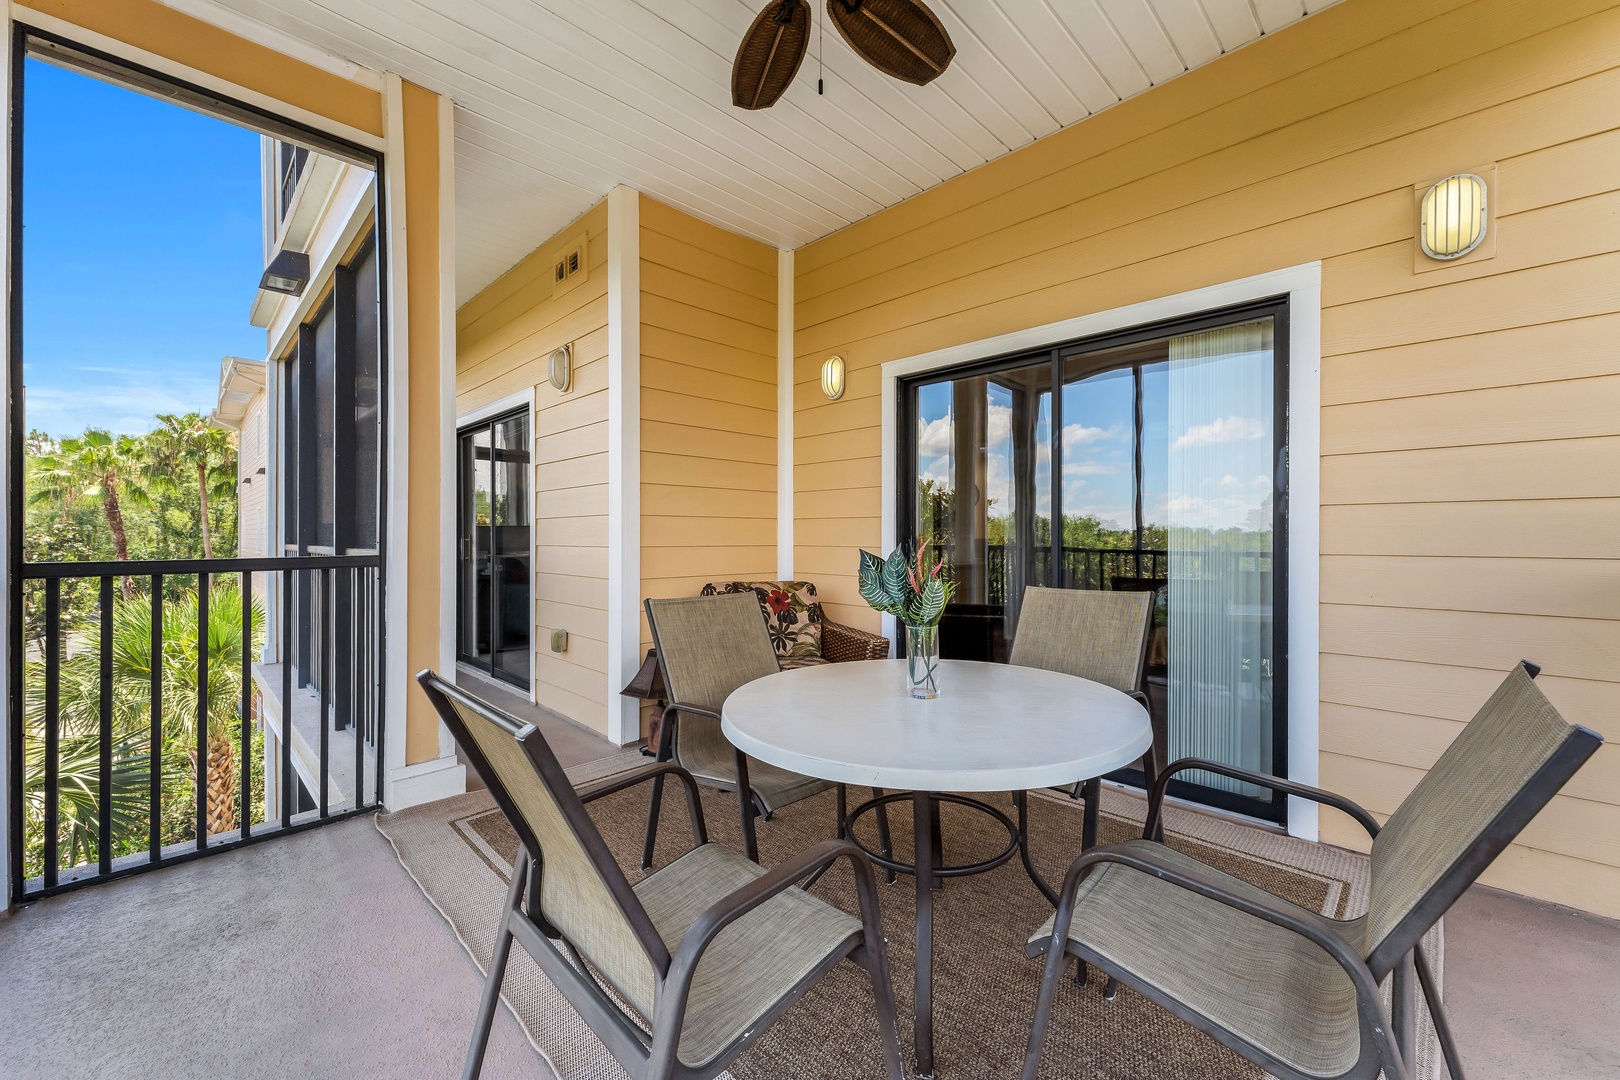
624 460
447 404
784 415
396 675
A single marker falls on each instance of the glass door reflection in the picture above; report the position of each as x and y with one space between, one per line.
494 613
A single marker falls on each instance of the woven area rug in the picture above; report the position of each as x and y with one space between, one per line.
460 851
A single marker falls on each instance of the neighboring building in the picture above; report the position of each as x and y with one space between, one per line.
310 438
242 408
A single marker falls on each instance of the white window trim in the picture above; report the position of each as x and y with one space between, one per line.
523 399
1303 287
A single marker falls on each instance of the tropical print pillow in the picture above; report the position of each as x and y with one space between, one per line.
792 613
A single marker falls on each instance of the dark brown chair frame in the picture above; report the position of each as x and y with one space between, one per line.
644 1056
749 805
1387 1038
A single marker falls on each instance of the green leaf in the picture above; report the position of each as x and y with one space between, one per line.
931 604
896 583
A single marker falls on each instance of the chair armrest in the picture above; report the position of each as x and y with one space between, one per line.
840 643
1261 906
658 769
672 1002
1259 779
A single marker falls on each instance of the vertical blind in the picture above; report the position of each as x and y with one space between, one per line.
1219 624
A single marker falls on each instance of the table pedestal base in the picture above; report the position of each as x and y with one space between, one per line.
929 869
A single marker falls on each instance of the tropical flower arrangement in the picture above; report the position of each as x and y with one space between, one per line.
904 586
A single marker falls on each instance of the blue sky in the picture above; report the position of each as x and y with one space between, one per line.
141 252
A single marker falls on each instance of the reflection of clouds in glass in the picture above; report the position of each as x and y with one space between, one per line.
1224 430
1077 435
1088 468
933 437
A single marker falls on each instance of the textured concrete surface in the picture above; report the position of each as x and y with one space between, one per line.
310 956
1534 990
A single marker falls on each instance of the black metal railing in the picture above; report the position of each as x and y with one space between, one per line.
134 696
1081 567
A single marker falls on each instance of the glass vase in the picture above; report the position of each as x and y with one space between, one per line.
922 661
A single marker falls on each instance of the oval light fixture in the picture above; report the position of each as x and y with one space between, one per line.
1453 218
560 368
832 377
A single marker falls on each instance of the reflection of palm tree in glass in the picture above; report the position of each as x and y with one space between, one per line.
78 774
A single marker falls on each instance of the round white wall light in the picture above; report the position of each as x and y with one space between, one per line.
1454 217
560 368
832 377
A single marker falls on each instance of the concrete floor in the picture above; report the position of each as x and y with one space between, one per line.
316 955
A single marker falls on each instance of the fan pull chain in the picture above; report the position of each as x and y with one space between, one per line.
821 40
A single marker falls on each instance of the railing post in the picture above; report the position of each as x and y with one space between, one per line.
324 721
154 771
203 587
53 724
244 809
286 697
104 786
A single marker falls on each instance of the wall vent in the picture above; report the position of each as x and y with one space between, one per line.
570 267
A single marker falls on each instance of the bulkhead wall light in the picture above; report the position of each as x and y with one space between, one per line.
832 377
1454 217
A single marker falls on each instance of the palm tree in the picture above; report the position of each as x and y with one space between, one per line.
96 465
79 717
192 445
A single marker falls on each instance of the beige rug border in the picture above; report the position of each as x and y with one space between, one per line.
568 1034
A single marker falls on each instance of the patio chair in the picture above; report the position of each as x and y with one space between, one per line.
1291 990
1096 635
707 647
680 972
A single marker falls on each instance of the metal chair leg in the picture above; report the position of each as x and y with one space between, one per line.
655 803
885 845
497 972
1437 1012
745 801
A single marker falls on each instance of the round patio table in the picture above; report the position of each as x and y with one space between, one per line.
994 727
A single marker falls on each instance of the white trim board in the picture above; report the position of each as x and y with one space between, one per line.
784 415
624 461
1303 287
523 399
446 131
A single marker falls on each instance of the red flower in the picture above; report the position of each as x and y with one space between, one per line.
779 601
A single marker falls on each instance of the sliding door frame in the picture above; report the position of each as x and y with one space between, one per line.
1299 344
1272 806
522 401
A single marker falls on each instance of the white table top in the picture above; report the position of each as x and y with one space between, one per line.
993 727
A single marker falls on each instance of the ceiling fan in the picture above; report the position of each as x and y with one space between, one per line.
901 38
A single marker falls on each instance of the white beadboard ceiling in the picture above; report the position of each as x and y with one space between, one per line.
558 101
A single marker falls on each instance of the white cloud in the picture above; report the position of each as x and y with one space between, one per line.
1088 468
1226 429
933 437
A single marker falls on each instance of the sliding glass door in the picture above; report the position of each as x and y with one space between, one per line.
1158 466
493 580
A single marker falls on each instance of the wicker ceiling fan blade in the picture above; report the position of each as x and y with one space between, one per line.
902 38
770 54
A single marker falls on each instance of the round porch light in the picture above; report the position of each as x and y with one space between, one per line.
1454 217
560 368
832 378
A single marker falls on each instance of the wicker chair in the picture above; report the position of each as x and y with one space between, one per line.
680 972
801 633
707 647
1101 636
1291 990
